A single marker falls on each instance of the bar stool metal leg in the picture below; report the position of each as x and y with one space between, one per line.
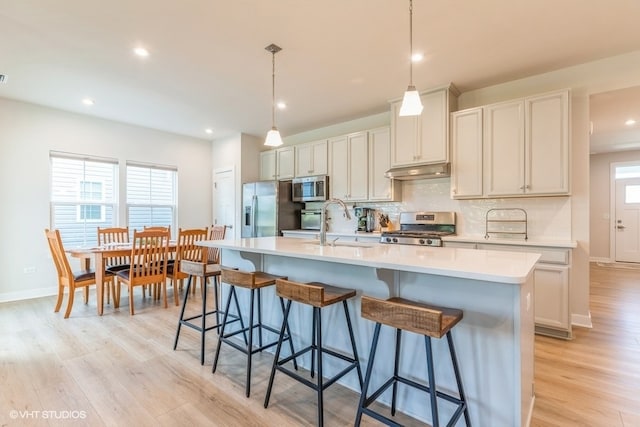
317 315
433 394
353 342
396 366
456 371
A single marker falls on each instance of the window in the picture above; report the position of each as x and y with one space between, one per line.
83 196
91 191
151 196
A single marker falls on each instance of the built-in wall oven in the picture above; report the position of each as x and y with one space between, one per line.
310 189
310 219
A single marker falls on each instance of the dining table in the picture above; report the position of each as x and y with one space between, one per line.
100 255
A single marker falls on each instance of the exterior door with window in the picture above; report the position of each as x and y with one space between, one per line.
627 220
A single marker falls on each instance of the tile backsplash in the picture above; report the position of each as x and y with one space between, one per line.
549 218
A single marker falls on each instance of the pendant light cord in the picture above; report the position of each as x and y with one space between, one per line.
273 90
410 42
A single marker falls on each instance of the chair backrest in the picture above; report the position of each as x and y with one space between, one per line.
158 228
114 235
187 249
216 232
65 275
149 257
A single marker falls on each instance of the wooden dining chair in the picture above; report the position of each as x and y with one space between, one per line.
188 250
114 236
67 278
148 264
216 232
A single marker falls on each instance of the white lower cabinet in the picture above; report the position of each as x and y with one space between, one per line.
551 297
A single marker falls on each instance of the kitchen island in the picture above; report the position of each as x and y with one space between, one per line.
494 341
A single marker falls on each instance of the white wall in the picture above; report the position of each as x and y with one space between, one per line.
241 152
27 134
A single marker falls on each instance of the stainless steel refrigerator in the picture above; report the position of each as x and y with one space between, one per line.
267 209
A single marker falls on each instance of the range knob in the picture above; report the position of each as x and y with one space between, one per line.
395 240
421 241
388 239
429 242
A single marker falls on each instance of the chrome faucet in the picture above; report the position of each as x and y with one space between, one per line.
323 215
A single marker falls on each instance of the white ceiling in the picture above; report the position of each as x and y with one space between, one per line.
341 59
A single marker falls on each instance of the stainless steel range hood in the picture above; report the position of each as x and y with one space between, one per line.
439 170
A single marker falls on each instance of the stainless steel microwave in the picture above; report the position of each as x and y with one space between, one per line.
310 189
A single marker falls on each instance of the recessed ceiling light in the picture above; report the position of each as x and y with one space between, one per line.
417 57
140 51
281 105
209 131
630 122
88 101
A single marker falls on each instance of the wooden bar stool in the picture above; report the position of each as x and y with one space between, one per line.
254 281
317 295
204 271
428 320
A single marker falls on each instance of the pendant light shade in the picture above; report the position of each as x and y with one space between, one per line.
273 136
411 103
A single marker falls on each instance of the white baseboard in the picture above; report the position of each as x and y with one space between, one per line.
600 259
581 320
28 294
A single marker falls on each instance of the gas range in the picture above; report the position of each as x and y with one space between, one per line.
422 228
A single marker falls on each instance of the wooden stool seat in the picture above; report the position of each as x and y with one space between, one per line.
194 268
428 320
253 281
248 280
400 313
317 295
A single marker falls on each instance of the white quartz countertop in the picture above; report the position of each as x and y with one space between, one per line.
336 233
515 242
488 265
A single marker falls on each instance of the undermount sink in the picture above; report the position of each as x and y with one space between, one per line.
339 243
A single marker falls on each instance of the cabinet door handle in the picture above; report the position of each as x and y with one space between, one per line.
620 227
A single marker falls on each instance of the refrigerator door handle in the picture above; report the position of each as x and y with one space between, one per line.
254 203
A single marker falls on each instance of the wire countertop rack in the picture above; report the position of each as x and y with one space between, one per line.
506 222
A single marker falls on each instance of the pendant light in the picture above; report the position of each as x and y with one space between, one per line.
273 136
411 104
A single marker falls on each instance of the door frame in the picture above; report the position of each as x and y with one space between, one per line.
231 234
612 204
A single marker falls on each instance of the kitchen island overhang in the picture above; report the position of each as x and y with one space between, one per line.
495 339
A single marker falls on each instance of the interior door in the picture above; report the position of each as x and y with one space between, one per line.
627 220
224 200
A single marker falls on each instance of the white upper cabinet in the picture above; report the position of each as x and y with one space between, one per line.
423 139
268 165
466 153
311 158
504 149
513 148
381 188
349 167
547 143
277 164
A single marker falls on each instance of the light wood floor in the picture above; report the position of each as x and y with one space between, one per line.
121 370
